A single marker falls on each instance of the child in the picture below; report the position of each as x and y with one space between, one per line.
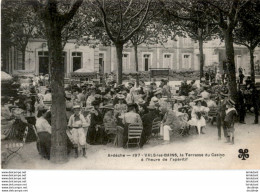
77 123
229 120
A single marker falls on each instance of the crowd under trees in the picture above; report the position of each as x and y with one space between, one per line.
120 23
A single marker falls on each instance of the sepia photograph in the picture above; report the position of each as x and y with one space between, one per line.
130 84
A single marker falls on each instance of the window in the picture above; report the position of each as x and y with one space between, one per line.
126 61
76 60
238 61
18 60
186 64
101 63
167 61
43 62
147 61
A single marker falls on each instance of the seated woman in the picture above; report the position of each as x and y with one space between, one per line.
43 129
197 118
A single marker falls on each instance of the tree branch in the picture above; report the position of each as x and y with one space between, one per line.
104 21
140 24
68 16
128 7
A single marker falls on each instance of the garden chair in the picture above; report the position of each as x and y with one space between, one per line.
212 114
134 134
111 131
14 147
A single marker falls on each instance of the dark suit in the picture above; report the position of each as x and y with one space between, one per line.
148 121
220 117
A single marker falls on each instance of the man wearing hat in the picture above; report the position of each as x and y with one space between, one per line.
229 120
77 123
157 96
221 114
148 121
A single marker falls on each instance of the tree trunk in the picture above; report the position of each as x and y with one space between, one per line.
201 57
58 110
136 65
232 85
252 64
119 53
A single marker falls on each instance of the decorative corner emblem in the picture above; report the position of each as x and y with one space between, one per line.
243 154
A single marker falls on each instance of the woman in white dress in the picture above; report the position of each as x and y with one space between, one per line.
197 118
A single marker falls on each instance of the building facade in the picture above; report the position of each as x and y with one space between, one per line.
178 55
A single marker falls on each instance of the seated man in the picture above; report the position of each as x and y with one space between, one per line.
170 122
148 121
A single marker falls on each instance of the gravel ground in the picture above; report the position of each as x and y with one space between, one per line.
181 153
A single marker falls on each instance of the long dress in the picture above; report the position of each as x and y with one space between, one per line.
196 118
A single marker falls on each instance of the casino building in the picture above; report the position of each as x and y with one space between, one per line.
178 55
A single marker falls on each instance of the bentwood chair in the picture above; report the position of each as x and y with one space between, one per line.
14 147
134 134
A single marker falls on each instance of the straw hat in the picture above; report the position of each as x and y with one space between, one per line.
120 96
141 101
158 92
151 107
76 107
108 106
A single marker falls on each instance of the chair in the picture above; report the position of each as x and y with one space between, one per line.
134 134
14 147
111 130
156 126
212 114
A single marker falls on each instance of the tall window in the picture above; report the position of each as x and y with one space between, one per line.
147 61
126 62
43 62
64 59
186 61
167 61
76 60
101 63
238 62
18 60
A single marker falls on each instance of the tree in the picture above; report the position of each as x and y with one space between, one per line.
120 20
20 24
225 14
247 32
54 22
193 19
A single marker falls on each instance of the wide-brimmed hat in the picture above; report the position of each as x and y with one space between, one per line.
89 108
151 107
158 92
120 96
231 102
141 101
132 105
223 94
95 102
197 100
76 107
108 106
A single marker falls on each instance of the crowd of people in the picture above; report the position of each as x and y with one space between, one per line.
91 107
